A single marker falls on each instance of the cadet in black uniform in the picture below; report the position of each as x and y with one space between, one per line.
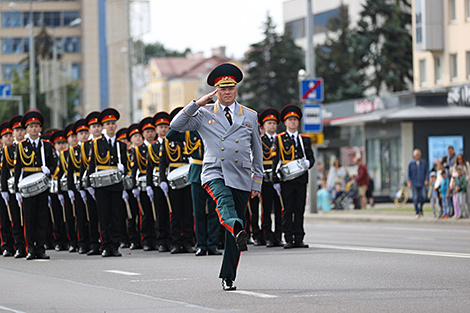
290 146
182 221
121 136
109 153
31 153
269 119
8 165
161 120
95 129
139 170
6 133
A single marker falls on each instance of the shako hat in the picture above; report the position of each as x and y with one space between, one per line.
33 116
225 75
92 118
161 118
58 136
289 111
268 114
108 115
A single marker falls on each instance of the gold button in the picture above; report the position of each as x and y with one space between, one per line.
222 149
236 141
236 151
223 139
222 159
236 161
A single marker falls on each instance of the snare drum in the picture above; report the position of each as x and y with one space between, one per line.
33 185
178 178
142 183
63 184
128 182
54 186
268 175
85 183
11 184
293 170
105 178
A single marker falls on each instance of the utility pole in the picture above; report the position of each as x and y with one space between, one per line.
129 63
32 66
310 68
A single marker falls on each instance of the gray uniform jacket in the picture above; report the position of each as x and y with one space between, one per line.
233 153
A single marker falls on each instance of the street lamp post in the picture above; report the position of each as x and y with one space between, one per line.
32 65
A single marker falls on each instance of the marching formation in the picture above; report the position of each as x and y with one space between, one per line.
93 189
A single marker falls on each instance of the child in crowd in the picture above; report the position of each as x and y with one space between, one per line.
445 195
323 197
460 193
434 196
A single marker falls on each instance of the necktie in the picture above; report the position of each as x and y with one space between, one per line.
110 142
293 140
34 145
228 116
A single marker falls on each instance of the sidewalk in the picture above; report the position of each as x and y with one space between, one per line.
385 213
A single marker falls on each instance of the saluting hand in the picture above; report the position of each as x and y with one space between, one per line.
205 99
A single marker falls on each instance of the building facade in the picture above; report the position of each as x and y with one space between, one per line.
97 46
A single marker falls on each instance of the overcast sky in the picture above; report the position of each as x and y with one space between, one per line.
205 24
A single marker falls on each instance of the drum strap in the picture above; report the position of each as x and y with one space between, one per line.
43 156
118 151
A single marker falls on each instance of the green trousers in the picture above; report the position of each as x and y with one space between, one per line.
230 206
205 217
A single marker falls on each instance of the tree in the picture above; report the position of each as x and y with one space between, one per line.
336 61
157 50
272 68
384 44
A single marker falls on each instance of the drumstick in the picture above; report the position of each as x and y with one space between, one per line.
52 214
282 202
73 207
128 209
9 212
21 213
140 207
169 204
153 210
63 212
249 208
207 208
86 210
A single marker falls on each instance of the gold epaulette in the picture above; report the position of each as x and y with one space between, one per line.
248 109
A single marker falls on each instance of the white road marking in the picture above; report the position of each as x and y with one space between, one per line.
157 279
10 310
123 273
254 294
399 251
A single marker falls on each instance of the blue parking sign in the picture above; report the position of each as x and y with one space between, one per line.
311 90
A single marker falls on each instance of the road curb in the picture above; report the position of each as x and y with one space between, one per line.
362 218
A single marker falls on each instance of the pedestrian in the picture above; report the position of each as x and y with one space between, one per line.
418 178
362 180
460 191
433 195
460 161
233 158
445 195
336 174
451 156
370 192
323 197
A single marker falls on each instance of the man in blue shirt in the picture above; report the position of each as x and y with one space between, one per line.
418 181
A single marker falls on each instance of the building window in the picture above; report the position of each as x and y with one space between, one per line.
11 19
468 64
452 11
438 69
9 70
12 46
70 16
297 28
76 71
72 44
52 19
453 66
467 9
422 72
419 21
37 18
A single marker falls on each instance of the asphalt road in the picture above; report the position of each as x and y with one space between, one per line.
360 267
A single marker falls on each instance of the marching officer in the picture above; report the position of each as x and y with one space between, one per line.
109 153
288 147
133 223
156 191
57 200
149 235
205 217
182 221
34 155
95 129
6 134
80 128
232 169
269 119
8 165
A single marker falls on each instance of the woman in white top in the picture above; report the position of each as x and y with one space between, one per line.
336 174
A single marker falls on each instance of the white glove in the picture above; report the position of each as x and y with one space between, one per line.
136 192
71 195
277 187
49 201
307 163
45 170
83 195
5 196
91 191
150 192
164 187
61 198
121 168
19 198
125 196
